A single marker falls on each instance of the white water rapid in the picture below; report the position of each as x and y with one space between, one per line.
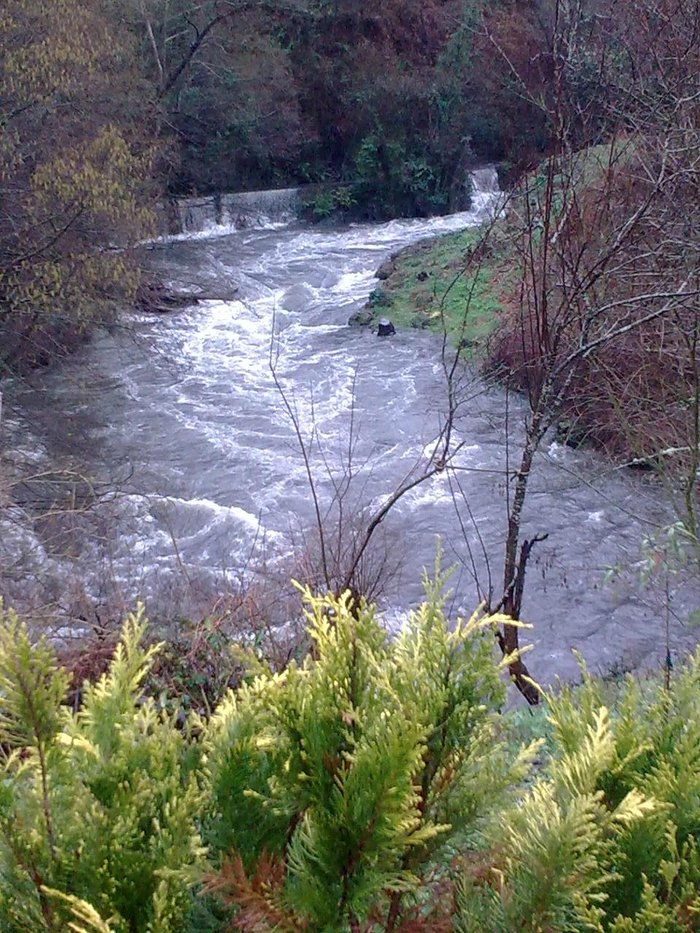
175 424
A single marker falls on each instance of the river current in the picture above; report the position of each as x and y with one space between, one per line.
188 467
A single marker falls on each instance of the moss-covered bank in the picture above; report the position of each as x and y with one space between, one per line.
436 284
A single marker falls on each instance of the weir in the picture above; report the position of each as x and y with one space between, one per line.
228 212
237 211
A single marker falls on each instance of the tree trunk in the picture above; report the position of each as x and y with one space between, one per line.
515 567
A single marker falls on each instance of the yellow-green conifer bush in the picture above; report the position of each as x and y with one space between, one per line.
330 794
368 787
99 808
606 837
342 785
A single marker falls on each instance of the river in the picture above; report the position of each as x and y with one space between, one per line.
191 479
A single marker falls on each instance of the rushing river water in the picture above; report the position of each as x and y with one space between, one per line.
178 419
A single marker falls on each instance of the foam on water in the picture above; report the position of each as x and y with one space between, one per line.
185 420
214 231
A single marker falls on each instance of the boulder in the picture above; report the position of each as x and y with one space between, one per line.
362 318
386 269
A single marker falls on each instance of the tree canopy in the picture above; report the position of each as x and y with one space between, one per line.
74 166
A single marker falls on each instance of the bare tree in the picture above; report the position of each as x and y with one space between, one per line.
176 32
346 526
603 256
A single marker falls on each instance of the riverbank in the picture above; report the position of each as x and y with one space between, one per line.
435 284
536 297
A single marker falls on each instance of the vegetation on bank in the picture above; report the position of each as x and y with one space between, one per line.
635 395
394 101
429 286
372 785
461 283
74 175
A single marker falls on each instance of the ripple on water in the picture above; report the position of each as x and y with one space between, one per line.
186 408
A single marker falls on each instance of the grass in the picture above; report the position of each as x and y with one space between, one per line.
430 285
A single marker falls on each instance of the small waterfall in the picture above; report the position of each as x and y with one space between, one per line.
485 180
260 208
197 214
235 211
487 197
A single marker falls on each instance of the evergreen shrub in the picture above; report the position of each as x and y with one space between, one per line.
99 807
374 786
342 785
605 838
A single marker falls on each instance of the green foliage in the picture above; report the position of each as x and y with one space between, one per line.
72 174
328 792
431 285
194 668
605 839
98 808
393 175
329 202
356 768
373 786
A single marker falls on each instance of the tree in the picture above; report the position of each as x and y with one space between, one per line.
602 237
72 169
220 85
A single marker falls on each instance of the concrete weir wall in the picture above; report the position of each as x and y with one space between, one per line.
250 209
235 211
